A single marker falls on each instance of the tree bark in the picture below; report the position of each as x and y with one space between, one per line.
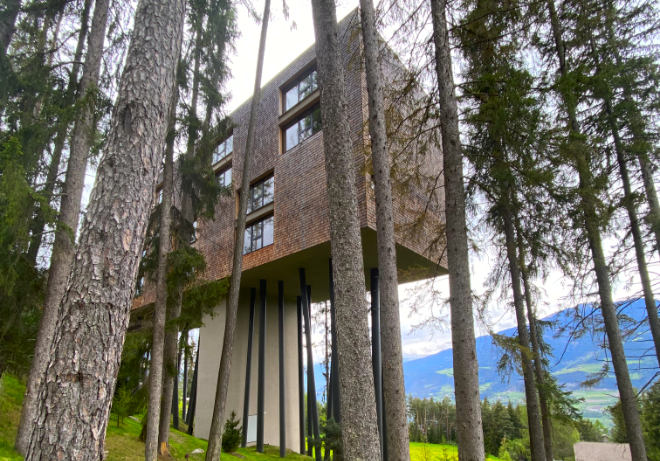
63 247
469 432
357 399
158 363
591 223
77 389
231 310
394 395
540 373
533 413
175 390
7 24
169 367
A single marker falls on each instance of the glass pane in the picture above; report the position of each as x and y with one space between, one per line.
268 231
268 191
247 243
316 120
229 144
291 136
291 98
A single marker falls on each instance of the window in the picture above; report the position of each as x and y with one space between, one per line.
160 195
261 194
223 177
301 129
300 89
225 148
258 234
193 234
139 287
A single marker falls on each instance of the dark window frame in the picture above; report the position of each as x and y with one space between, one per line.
221 173
254 241
219 157
313 114
305 84
258 187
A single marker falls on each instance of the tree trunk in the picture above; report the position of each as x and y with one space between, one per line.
169 368
184 403
84 357
591 223
540 373
533 413
158 354
175 390
63 247
469 432
39 222
629 203
7 24
394 395
357 399
231 310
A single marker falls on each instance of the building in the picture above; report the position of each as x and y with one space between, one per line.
287 236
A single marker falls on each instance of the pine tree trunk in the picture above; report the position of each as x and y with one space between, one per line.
7 24
158 367
39 222
357 399
533 413
394 395
63 247
591 223
629 203
169 365
84 357
539 372
231 311
469 430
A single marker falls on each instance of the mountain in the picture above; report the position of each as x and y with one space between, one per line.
574 359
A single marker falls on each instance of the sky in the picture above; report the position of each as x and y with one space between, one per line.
424 306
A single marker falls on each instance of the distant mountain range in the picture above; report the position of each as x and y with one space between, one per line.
574 359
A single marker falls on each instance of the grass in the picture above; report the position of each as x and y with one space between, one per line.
121 442
432 452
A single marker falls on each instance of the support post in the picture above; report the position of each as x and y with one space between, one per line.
262 366
280 328
311 386
315 410
248 369
376 359
193 394
301 384
184 403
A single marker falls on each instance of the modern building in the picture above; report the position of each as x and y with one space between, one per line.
288 236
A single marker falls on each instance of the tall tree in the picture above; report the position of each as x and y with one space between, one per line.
156 370
77 389
7 21
466 375
581 158
231 309
394 395
63 247
357 399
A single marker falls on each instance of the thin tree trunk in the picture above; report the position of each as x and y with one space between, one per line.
7 24
231 310
629 203
175 389
158 363
469 430
184 402
190 417
591 224
169 365
357 398
394 395
63 247
39 222
84 357
533 413
540 373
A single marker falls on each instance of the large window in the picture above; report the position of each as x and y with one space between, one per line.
223 177
225 148
258 234
301 129
261 194
300 89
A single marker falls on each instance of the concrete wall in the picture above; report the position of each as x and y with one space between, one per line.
211 335
597 451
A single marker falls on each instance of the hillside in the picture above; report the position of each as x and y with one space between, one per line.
574 359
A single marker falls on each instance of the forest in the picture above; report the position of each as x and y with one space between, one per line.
112 115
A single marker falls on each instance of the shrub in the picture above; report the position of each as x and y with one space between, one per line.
231 437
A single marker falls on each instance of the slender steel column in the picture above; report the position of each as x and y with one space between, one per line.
248 368
193 394
280 327
184 403
262 366
301 384
376 359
